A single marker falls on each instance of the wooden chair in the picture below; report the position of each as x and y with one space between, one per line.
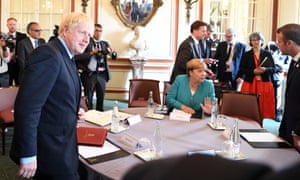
7 101
244 106
139 92
167 86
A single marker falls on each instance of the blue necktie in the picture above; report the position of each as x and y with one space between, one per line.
36 43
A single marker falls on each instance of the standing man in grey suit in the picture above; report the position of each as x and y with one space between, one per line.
47 105
28 44
288 41
229 53
189 49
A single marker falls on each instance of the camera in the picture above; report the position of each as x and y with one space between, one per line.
101 54
10 42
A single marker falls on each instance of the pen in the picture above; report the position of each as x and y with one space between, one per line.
263 62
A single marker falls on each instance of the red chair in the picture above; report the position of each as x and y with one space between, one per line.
167 86
8 97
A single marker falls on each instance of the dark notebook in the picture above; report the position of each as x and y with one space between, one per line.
112 152
91 136
261 138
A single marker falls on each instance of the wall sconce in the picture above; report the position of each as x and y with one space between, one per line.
188 4
84 5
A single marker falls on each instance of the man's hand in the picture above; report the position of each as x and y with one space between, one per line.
80 115
296 140
27 170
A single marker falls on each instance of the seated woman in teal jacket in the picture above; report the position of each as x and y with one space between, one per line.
192 92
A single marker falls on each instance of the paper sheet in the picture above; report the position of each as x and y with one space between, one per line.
93 151
261 137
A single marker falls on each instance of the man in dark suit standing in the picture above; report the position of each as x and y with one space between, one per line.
229 53
47 105
94 69
13 38
288 41
190 48
28 44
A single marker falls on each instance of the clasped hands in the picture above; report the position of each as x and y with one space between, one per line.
259 70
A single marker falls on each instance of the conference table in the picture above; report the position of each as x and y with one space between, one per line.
180 137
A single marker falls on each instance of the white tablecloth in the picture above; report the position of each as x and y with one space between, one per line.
180 137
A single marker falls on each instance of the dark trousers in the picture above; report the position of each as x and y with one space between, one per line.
13 70
227 78
96 82
4 79
56 177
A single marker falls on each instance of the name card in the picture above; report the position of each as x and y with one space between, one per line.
134 119
129 140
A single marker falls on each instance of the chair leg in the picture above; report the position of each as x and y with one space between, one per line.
3 140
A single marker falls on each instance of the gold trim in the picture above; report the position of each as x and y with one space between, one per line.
117 6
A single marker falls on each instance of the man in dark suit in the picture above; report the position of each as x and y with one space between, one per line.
190 48
289 44
47 105
28 44
229 53
94 69
14 37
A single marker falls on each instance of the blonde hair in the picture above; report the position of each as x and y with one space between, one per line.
195 64
72 20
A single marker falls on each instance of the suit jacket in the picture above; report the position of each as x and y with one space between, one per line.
291 117
46 111
82 60
221 55
24 49
206 53
19 37
187 51
248 65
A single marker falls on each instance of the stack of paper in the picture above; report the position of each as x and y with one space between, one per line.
180 115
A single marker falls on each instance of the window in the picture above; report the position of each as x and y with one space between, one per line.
46 12
245 16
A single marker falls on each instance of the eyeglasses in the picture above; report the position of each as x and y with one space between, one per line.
98 30
36 30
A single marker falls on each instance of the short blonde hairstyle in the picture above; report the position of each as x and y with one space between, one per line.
195 64
72 20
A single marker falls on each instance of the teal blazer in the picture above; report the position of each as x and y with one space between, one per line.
180 94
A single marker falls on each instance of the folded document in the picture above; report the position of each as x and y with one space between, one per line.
180 115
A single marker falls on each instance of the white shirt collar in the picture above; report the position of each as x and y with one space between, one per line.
295 58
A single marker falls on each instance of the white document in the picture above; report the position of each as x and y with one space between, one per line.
94 151
98 118
261 137
179 115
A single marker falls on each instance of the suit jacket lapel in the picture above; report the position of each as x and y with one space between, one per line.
71 66
292 71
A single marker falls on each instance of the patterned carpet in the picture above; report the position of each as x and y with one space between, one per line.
8 168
